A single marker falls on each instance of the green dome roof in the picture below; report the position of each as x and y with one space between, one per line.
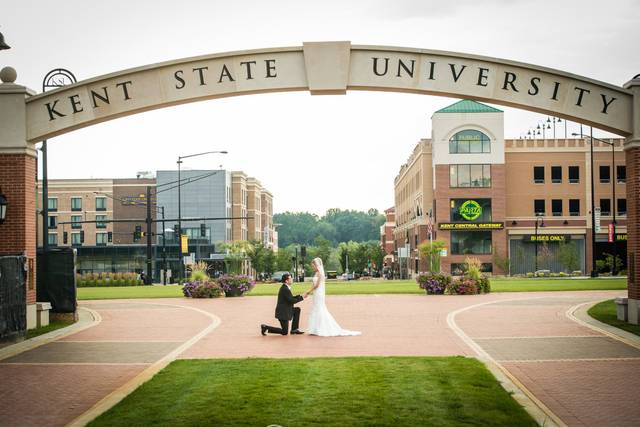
468 106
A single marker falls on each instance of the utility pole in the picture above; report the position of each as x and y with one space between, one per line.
149 247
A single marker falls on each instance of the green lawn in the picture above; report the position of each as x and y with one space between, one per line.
391 391
606 313
52 326
364 287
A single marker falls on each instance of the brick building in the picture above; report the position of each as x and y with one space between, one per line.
498 199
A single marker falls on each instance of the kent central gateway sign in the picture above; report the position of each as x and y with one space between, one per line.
329 68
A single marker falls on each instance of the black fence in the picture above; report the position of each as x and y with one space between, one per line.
56 279
13 298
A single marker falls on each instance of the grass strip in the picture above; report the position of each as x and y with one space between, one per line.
359 391
606 312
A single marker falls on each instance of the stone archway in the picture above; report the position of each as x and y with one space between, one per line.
321 68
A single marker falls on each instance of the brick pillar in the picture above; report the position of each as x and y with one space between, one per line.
18 182
633 231
632 157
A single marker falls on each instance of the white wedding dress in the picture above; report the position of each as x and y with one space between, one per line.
321 322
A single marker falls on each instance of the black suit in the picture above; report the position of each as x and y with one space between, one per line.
285 311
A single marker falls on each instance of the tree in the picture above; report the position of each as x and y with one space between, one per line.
502 262
236 253
431 251
568 256
258 254
322 249
283 260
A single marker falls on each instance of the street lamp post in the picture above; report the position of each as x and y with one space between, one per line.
539 223
613 179
181 272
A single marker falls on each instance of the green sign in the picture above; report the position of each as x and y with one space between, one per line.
470 210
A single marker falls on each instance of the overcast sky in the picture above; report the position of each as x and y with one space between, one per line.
312 152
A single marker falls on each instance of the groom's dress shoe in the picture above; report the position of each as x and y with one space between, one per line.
297 332
263 329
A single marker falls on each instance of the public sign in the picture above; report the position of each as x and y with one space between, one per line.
610 235
470 210
622 237
471 225
597 218
184 244
546 238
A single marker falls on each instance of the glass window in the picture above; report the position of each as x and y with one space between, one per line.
574 207
52 239
470 175
538 174
556 174
621 172
53 222
75 221
52 204
101 203
100 224
556 207
605 207
470 242
75 239
474 210
538 207
574 174
469 141
605 175
621 209
76 204
101 239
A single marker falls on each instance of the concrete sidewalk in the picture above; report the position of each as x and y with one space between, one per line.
582 376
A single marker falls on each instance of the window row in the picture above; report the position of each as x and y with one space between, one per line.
556 207
469 176
573 174
77 239
76 204
605 174
605 207
76 221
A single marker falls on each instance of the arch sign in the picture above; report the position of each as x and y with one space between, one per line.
330 68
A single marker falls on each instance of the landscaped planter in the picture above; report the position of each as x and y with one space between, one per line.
235 285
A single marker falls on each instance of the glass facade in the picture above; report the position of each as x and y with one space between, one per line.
469 141
469 176
565 255
470 242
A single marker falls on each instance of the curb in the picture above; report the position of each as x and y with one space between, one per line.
87 318
578 314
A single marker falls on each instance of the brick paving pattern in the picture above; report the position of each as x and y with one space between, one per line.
529 333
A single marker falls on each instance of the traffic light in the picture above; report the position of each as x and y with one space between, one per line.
65 237
176 230
81 236
137 233
203 230
110 236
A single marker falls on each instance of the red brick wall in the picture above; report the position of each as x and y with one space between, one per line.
18 232
633 216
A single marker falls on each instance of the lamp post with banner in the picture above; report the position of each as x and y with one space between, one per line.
55 78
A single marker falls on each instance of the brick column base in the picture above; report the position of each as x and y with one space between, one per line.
18 232
633 232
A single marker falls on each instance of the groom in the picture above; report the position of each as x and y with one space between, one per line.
285 310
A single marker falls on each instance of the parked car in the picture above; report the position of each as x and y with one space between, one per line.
277 276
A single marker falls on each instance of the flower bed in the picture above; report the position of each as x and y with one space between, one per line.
235 284
438 284
204 289
433 284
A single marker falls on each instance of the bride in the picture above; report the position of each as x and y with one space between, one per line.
321 322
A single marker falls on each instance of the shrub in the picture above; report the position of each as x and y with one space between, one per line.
433 284
529 274
236 283
198 272
554 275
206 289
484 285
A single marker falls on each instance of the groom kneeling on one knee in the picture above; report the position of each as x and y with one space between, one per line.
285 311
